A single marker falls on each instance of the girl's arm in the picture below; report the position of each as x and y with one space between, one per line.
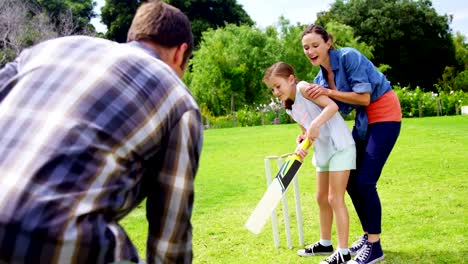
329 109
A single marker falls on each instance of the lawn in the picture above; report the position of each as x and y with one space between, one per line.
423 190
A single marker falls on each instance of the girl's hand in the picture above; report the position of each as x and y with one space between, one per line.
313 132
315 90
300 138
301 152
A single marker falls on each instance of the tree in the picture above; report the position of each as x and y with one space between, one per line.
228 67
211 14
407 35
290 48
117 15
79 12
23 24
461 52
20 28
456 77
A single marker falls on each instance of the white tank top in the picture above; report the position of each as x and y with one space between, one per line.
334 134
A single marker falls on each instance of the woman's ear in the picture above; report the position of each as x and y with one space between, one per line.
329 43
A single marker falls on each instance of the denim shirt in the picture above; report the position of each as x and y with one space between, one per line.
353 72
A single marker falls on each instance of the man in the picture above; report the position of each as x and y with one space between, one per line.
89 129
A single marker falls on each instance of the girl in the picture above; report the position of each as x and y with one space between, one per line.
334 155
353 82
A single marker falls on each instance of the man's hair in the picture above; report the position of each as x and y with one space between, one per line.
162 24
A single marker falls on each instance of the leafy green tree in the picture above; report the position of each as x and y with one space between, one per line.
290 49
407 35
455 77
83 11
24 23
211 14
59 11
228 67
461 51
117 15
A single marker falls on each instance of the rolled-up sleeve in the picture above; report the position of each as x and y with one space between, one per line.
169 208
357 72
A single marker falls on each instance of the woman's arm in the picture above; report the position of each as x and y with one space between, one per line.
313 91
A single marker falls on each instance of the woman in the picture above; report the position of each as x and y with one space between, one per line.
349 78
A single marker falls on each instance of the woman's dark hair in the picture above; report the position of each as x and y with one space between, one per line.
320 31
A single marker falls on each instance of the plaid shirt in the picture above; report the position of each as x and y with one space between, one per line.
89 129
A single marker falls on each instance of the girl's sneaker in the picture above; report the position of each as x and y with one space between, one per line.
369 254
337 258
315 249
357 245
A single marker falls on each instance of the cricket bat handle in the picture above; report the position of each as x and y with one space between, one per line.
305 144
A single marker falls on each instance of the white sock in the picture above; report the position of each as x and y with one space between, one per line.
325 243
344 251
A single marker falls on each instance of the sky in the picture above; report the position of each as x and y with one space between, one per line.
267 12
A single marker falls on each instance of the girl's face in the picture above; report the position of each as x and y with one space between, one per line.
282 88
316 49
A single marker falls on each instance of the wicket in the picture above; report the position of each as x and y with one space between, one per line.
274 221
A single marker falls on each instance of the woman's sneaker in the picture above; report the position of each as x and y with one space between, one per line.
337 258
369 254
315 249
358 244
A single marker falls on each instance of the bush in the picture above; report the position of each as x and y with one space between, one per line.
416 103
248 117
222 122
262 116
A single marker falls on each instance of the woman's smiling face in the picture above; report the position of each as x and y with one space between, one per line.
316 49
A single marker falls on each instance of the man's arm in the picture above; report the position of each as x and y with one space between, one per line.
170 203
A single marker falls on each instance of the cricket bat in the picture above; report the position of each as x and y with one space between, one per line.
275 191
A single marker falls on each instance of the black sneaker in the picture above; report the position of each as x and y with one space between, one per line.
337 258
358 244
315 249
369 254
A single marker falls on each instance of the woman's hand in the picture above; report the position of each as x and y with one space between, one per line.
315 90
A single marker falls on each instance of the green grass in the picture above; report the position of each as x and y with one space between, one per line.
423 190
